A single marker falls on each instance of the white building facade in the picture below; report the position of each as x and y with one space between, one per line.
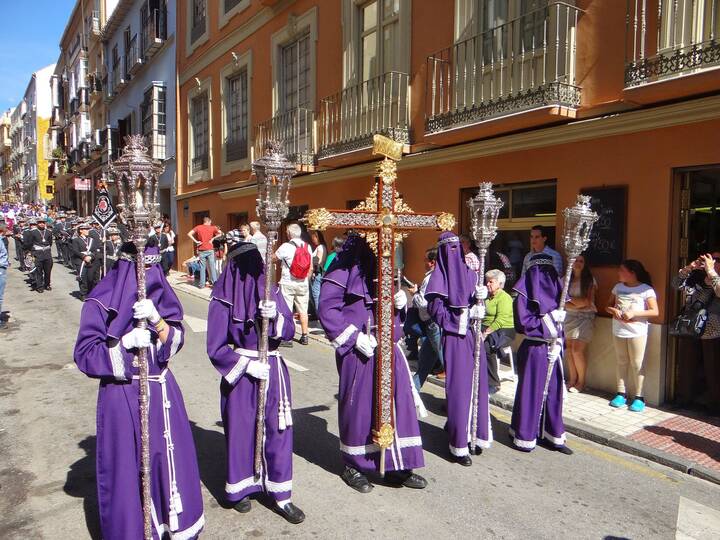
139 51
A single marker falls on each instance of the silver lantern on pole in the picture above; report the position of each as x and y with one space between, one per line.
484 211
274 174
578 222
137 176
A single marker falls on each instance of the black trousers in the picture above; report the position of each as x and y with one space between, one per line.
89 277
19 253
497 340
43 269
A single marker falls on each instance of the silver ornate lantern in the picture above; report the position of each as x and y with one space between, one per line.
484 211
578 224
274 174
137 177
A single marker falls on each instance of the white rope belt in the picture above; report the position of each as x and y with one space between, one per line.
175 502
284 406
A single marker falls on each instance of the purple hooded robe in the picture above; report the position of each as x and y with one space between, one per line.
232 341
539 292
450 294
107 315
347 299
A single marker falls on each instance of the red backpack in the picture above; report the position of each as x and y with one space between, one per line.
301 263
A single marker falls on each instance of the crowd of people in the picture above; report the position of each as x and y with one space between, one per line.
336 284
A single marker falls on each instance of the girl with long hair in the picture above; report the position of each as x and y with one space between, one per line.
632 303
579 323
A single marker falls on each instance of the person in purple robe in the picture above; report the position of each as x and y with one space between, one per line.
347 313
452 294
106 348
538 318
234 319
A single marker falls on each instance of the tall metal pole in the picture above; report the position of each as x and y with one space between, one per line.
274 173
263 353
137 179
484 208
578 224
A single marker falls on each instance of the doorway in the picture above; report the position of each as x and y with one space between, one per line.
696 231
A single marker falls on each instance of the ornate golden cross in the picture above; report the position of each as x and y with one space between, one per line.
385 220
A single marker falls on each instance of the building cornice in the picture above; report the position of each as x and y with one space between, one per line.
665 116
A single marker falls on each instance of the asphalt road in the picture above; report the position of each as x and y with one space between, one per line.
47 438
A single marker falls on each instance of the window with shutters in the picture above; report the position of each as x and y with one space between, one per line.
295 74
236 145
200 133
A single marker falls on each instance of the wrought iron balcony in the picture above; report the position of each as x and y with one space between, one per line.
95 26
200 163
666 39
526 63
57 117
134 58
349 119
295 130
154 32
74 106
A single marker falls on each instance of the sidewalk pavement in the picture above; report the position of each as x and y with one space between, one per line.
678 439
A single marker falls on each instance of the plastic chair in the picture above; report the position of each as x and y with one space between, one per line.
507 353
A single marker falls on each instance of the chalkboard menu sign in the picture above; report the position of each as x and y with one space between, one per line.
607 242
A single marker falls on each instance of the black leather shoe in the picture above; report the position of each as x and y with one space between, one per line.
407 479
243 506
304 339
478 450
465 461
291 513
356 480
550 446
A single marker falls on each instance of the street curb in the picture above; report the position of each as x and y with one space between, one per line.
579 429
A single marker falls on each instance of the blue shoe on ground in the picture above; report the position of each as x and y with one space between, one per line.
618 401
638 405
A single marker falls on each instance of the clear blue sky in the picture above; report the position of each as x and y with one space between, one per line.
29 40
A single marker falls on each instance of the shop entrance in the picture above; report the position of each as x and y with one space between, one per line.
696 231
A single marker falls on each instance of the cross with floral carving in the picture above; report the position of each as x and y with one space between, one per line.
385 220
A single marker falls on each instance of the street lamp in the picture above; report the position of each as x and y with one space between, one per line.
137 177
274 174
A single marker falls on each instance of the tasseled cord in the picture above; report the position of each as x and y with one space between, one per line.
284 409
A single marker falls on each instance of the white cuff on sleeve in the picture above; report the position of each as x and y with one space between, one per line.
237 370
344 336
117 362
279 323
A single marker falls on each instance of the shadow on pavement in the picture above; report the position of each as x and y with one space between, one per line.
211 454
80 483
698 443
314 442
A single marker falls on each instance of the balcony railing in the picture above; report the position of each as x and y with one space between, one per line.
236 149
134 58
95 27
57 117
200 163
526 63
349 119
666 39
295 130
108 139
154 32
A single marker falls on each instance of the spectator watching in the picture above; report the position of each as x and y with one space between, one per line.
498 324
579 322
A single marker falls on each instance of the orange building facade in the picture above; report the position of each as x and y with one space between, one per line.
545 99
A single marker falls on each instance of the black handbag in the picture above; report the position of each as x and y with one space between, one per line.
691 321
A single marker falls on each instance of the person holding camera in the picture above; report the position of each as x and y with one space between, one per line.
700 281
